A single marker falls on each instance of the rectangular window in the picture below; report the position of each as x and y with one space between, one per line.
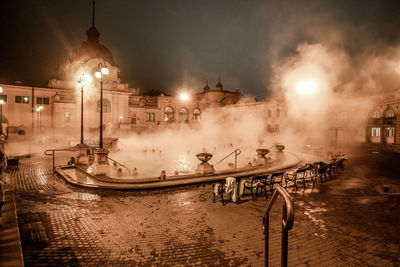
42 100
67 116
150 116
18 99
390 132
376 131
25 99
133 120
3 97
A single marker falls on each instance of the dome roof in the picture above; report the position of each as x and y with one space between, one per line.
92 48
89 50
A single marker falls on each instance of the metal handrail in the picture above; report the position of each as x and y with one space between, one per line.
51 152
237 153
120 164
287 223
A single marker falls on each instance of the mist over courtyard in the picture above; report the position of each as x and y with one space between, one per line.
199 133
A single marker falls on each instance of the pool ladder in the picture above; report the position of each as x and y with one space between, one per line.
287 223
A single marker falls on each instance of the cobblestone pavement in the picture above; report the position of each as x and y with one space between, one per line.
344 222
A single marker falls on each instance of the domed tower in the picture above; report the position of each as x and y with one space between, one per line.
86 59
219 86
207 88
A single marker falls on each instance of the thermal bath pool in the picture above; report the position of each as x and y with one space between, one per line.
77 176
150 161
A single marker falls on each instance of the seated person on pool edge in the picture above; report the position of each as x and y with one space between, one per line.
162 175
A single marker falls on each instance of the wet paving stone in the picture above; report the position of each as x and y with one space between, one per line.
343 222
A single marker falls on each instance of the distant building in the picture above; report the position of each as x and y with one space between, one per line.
123 108
383 125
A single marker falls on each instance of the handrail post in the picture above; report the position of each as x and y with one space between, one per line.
284 250
287 223
266 239
236 159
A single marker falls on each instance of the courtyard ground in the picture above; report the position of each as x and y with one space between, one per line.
343 222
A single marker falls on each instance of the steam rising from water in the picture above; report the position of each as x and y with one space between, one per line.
175 150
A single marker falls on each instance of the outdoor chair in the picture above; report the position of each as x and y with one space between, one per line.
321 169
229 187
257 182
276 178
294 177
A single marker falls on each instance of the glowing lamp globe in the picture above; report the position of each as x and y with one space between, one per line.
104 71
306 87
98 74
85 79
184 96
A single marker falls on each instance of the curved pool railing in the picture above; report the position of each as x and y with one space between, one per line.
237 153
52 152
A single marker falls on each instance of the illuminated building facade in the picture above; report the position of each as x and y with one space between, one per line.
55 109
383 125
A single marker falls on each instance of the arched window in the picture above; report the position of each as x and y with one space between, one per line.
389 113
168 114
278 113
269 113
183 115
106 105
196 115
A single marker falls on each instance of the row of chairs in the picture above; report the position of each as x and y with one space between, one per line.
309 172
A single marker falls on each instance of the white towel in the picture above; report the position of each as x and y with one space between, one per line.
231 186
216 188
241 186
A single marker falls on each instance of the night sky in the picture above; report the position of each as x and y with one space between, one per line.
166 45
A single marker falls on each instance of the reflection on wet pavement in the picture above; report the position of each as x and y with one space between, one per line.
343 222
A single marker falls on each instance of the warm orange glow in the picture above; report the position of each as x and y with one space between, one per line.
184 96
1 89
98 74
39 108
306 87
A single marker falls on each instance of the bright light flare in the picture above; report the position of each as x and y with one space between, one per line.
39 108
1 89
86 79
184 96
306 87
105 71
1 101
98 74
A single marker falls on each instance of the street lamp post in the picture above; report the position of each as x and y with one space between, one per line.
39 118
102 70
81 83
100 165
1 115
